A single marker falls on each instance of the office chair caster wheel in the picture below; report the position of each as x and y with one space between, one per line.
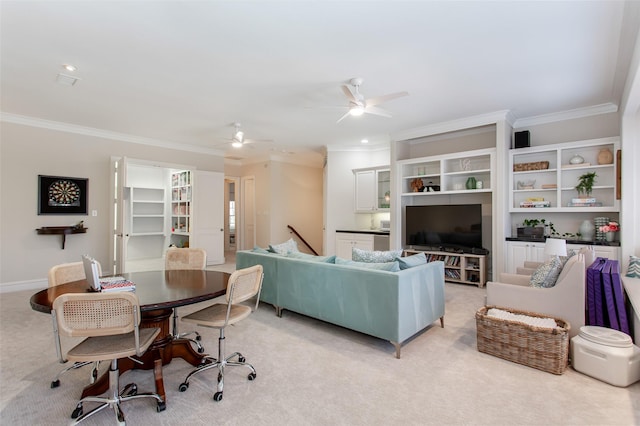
198 337
241 359
161 406
55 384
217 396
130 390
251 376
183 387
200 350
77 412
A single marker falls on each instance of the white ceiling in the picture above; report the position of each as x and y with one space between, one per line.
183 72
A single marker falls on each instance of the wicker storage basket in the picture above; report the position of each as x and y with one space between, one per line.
542 348
525 167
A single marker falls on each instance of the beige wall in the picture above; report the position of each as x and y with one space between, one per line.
26 152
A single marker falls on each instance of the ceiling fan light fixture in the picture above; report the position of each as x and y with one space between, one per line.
236 144
239 136
356 110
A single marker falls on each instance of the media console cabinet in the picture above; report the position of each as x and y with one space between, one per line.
464 268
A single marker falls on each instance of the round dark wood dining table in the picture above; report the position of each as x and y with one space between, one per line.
159 292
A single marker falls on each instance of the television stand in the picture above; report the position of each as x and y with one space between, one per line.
464 268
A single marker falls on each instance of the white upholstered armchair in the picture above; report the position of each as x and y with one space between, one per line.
565 300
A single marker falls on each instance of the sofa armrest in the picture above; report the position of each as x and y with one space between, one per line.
525 271
515 279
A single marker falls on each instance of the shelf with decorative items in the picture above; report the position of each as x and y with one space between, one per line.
463 172
181 208
574 176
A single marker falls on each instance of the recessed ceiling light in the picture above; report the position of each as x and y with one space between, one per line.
69 67
364 141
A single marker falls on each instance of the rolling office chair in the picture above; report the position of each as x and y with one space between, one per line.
110 323
185 258
243 285
61 274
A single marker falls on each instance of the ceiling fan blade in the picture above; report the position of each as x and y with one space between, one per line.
343 117
349 94
250 141
385 98
377 111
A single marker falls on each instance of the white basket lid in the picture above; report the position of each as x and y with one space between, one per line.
605 336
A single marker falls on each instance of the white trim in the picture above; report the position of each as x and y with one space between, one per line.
452 126
23 285
565 115
105 134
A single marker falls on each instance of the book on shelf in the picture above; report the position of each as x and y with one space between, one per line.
108 284
549 186
535 204
594 204
583 200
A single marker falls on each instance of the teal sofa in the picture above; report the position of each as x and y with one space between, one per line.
389 305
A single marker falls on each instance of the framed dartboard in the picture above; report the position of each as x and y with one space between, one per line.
62 195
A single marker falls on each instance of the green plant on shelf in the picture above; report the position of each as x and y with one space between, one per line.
585 184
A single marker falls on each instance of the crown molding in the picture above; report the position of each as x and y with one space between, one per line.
565 115
104 134
452 126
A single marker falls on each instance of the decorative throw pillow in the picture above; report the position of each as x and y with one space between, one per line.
360 255
570 254
385 266
284 248
306 256
634 267
545 275
260 250
411 261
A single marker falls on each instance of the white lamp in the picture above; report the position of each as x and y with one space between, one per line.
555 247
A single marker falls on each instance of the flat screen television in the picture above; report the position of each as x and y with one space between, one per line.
444 227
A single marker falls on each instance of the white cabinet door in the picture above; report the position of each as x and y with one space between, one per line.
365 191
345 242
600 251
519 251
207 230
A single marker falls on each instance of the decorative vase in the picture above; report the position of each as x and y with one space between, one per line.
576 159
605 156
611 236
587 230
471 183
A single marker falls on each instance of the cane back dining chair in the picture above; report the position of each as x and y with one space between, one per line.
110 323
66 273
243 285
185 258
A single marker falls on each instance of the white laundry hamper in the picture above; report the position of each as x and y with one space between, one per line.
606 354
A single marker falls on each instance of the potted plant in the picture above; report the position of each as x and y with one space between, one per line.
585 184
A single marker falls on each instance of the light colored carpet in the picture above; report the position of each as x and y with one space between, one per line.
313 373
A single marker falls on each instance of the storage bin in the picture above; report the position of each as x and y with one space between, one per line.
606 354
546 349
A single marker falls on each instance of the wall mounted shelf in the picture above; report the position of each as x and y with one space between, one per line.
61 230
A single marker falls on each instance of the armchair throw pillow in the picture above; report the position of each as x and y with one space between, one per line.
545 276
634 267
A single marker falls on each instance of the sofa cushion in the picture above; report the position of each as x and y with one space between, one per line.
634 267
284 248
360 255
307 256
383 266
547 274
411 261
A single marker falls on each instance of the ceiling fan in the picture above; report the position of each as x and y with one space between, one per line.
358 105
238 139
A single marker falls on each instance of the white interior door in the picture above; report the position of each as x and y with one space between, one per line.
207 229
118 216
248 213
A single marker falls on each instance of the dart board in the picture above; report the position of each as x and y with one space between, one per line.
62 195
